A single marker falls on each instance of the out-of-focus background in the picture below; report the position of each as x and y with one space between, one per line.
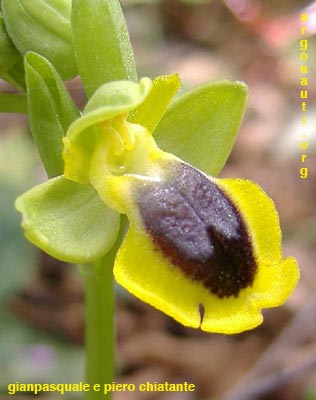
41 309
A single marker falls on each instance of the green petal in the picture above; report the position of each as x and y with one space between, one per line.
109 101
68 220
200 126
150 112
102 44
51 110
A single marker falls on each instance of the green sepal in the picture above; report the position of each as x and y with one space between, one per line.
51 110
68 220
42 26
201 125
109 101
101 42
150 112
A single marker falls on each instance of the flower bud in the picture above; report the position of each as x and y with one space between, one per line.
42 26
8 53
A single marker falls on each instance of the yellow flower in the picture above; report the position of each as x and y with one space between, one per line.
205 251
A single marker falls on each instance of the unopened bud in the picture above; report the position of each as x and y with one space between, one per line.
8 53
42 26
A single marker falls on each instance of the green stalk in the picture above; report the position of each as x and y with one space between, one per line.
100 330
13 103
15 76
100 336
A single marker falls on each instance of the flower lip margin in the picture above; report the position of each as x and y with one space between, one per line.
146 273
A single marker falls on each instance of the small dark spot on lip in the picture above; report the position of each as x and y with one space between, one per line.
201 312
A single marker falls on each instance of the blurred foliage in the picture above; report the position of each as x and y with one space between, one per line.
17 161
137 2
310 394
51 360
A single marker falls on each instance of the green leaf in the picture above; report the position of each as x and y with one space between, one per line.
101 42
68 220
13 103
42 26
150 112
51 110
201 126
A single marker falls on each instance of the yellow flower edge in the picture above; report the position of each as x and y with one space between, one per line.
144 271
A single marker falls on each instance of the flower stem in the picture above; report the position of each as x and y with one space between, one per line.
99 299
100 331
13 103
15 76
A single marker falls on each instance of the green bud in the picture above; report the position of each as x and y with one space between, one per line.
8 53
42 26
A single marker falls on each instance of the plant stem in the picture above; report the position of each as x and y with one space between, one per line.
100 331
13 103
99 300
15 76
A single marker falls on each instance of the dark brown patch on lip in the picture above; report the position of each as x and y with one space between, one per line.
197 227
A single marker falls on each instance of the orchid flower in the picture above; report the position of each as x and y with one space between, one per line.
204 250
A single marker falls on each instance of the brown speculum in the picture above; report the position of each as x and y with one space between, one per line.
194 224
